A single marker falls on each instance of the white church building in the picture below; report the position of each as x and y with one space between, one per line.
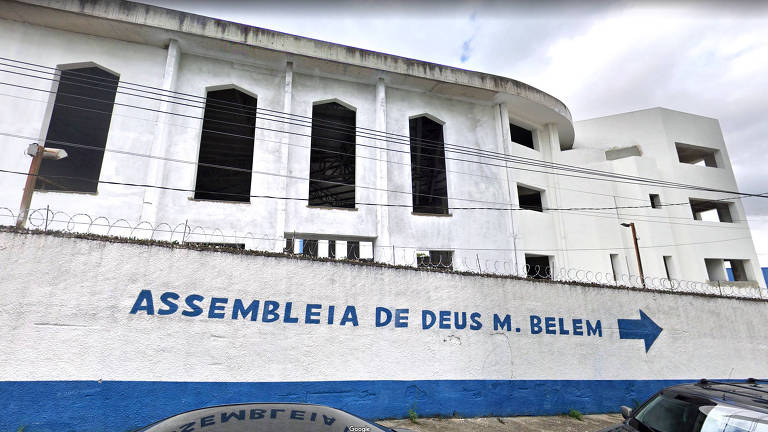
277 142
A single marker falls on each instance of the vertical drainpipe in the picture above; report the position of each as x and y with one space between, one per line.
160 141
282 213
382 211
506 140
554 186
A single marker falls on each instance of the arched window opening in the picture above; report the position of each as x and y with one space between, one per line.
227 141
82 112
332 157
428 179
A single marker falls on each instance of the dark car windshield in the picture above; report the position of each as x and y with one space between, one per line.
265 418
667 413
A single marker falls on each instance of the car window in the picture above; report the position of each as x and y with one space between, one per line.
666 413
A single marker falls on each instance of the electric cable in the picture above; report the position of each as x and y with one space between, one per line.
538 163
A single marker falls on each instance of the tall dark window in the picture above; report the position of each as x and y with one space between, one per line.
428 179
332 157
227 141
81 115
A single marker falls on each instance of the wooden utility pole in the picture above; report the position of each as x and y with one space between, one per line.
637 251
36 151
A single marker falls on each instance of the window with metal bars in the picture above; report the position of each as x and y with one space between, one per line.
82 112
226 147
429 184
332 156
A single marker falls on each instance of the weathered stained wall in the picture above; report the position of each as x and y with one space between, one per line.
77 358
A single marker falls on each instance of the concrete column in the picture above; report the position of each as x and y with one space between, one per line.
383 238
502 118
282 213
160 142
554 199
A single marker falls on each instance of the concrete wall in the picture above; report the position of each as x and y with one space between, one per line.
83 352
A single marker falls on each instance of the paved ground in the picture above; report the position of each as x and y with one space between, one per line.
589 423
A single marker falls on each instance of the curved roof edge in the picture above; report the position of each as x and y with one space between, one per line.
198 25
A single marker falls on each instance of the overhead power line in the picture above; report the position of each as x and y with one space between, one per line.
399 151
507 205
388 161
449 147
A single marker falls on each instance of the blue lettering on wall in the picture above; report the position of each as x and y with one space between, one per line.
597 329
194 305
476 323
401 318
383 316
252 309
287 318
577 327
169 300
350 315
503 324
428 319
216 309
144 302
192 301
535 324
270 311
312 315
445 320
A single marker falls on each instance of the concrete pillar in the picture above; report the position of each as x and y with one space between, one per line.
554 199
383 238
282 214
160 142
502 118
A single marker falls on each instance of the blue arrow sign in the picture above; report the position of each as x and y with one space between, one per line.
643 328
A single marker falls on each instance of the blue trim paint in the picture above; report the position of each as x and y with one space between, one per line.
119 406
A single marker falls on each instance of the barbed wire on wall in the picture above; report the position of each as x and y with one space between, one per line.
482 261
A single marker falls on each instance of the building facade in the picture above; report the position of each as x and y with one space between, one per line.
282 143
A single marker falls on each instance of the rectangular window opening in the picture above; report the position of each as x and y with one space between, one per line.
530 199
332 156
712 211
615 267
696 155
81 115
429 186
227 142
538 266
288 246
309 248
738 270
715 269
521 136
655 201
353 250
668 266
442 259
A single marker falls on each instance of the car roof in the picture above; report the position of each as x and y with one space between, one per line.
750 393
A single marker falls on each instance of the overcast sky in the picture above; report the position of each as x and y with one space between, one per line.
599 58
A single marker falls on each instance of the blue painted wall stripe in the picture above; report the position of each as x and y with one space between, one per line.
118 406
